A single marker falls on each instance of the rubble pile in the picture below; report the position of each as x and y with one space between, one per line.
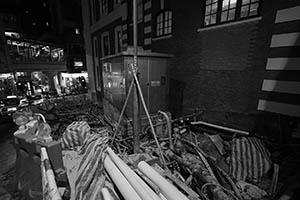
60 115
197 164
178 161
220 169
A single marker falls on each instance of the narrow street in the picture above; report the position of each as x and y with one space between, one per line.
7 160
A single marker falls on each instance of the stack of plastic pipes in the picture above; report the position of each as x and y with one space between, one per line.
50 190
132 187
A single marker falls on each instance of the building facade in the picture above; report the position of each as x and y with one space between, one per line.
42 37
236 60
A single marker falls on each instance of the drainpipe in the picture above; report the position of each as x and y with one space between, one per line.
169 127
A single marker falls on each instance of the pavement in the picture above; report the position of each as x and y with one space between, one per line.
7 159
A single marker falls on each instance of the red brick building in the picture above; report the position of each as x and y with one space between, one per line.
237 60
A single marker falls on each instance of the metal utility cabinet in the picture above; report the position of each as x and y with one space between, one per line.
117 76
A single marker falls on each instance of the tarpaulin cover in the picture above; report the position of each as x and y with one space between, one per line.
90 176
75 134
250 160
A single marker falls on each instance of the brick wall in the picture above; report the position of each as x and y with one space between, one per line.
110 28
221 68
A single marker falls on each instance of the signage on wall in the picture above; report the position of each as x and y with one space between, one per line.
155 83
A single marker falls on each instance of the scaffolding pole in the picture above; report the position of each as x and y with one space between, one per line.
136 103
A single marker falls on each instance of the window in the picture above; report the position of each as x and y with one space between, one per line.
95 46
222 11
117 3
164 23
118 39
211 8
249 8
105 44
139 10
96 10
228 10
104 7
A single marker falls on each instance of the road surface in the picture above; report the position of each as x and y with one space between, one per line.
7 159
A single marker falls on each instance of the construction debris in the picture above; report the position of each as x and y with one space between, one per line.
178 161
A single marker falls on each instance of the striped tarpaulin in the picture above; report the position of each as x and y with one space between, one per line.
250 160
90 175
75 134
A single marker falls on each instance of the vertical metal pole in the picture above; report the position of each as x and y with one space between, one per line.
136 110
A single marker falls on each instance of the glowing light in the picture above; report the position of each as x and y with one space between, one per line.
11 97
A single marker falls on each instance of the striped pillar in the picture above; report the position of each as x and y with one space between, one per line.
281 87
147 24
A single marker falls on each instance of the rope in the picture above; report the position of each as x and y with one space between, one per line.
148 116
123 110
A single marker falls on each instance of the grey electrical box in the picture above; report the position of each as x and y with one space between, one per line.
117 76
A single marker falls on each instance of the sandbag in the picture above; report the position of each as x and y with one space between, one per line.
250 160
75 134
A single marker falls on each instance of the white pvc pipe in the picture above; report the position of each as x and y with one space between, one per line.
42 116
50 178
168 190
162 196
136 182
220 127
106 195
124 187
44 180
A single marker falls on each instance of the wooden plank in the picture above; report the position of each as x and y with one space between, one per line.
291 87
286 40
288 14
283 64
280 108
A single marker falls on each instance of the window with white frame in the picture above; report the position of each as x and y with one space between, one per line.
223 11
164 23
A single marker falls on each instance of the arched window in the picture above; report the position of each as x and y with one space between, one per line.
164 23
